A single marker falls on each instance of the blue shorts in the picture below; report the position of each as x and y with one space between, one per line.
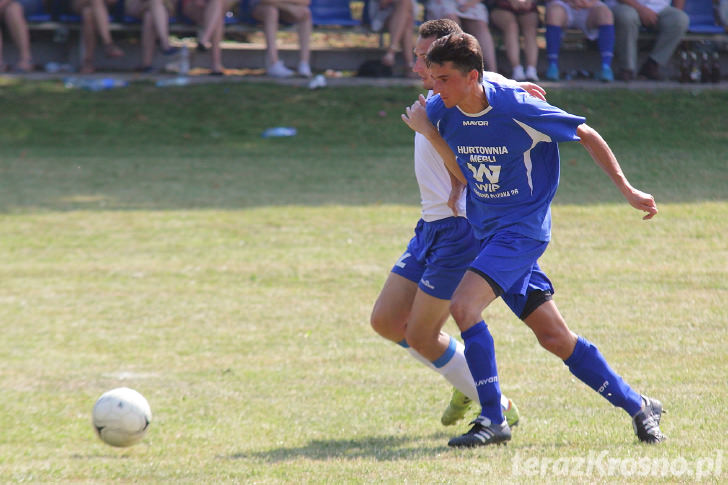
438 255
509 262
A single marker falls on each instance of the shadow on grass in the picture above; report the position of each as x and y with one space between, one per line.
381 448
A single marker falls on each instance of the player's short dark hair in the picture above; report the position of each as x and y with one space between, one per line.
462 50
438 28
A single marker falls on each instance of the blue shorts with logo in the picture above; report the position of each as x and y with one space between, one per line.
438 255
509 262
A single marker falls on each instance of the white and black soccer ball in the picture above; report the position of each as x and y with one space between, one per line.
121 417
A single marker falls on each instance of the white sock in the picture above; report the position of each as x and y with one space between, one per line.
457 373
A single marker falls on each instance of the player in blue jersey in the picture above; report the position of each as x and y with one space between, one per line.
504 146
412 306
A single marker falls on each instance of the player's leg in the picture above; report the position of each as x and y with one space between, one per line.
583 358
392 308
557 17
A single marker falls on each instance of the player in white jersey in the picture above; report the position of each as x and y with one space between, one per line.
413 304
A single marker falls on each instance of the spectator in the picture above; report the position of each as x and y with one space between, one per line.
209 15
95 20
13 15
473 17
592 17
398 15
154 15
510 16
670 23
270 13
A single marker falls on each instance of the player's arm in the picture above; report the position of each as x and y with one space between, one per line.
531 88
416 118
604 157
456 190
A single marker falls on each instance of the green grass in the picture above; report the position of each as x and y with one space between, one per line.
151 238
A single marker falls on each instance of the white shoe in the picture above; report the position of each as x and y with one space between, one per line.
279 70
531 74
518 74
304 69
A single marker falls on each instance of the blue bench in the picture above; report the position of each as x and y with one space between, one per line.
702 18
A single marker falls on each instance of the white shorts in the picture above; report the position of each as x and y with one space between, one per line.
437 9
578 17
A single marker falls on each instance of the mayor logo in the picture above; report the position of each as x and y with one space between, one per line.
475 123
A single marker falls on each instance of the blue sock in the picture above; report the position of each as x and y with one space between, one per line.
553 43
480 355
588 364
606 44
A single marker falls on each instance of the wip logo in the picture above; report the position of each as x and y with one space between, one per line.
475 123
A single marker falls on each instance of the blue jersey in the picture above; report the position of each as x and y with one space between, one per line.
509 155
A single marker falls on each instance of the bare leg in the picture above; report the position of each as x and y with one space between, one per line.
216 51
213 12
529 27
305 27
160 18
481 32
506 22
18 27
89 40
148 39
269 16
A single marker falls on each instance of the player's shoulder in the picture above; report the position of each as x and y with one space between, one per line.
505 95
435 107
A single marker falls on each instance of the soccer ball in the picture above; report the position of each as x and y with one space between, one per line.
121 417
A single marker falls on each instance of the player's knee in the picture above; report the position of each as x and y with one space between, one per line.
461 312
384 326
421 341
557 341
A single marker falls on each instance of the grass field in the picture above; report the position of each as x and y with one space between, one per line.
152 239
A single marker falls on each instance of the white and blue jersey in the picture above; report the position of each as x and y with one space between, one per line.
510 157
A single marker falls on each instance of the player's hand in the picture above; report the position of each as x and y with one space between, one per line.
643 201
415 117
534 90
455 193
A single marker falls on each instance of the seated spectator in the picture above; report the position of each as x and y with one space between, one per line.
154 15
510 16
473 17
95 20
593 18
209 15
670 23
271 13
398 16
11 12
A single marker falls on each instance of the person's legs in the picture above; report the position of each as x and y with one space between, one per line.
626 32
471 297
214 10
672 23
88 34
480 31
556 19
300 15
18 28
529 29
216 51
160 19
400 24
268 16
600 17
505 21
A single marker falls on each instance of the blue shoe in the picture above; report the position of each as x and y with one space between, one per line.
552 73
606 75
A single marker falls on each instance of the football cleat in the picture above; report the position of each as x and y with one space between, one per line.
511 414
482 433
646 423
459 405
